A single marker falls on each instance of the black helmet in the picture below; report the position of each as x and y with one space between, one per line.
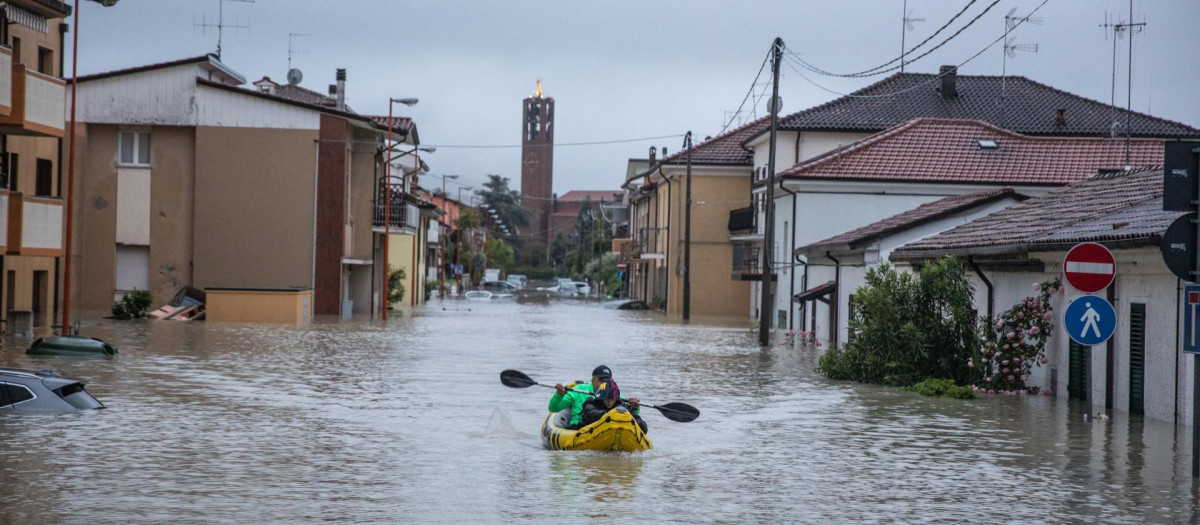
602 372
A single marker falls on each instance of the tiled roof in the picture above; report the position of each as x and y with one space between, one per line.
304 95
1123 206
1030 108
399 124
724 149
944 150
922 214
595 195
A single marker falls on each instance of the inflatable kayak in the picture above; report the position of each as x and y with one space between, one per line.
616 431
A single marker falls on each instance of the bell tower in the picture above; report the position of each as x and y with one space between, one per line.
537 160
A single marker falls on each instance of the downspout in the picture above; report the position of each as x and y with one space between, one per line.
986 282
837 285
62 66
792 270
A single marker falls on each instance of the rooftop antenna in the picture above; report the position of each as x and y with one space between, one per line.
220 25
1011 21
1120 28
292 49
907 26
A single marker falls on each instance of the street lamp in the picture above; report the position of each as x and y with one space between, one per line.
458 252
387 209
442 240
66 319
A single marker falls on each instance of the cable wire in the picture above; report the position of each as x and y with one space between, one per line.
591 143
748 92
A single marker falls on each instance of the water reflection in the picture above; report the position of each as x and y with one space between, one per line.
406 422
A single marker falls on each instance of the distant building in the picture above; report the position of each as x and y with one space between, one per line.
566 208
537 161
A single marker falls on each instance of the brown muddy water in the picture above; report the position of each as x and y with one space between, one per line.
362 422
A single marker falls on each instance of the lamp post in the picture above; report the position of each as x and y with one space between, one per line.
66 319
387 209
458 251
442 241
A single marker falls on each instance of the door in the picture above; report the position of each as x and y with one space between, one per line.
1137 358
40 301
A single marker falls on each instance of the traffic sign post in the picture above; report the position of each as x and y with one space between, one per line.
1191 328
1090 320
1089 267
1181 192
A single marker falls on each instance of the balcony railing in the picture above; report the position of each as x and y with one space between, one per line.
404 215
6 81
35 225
744 222
38 104
652 241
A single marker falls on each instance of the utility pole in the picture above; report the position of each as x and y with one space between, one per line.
765 310
687 233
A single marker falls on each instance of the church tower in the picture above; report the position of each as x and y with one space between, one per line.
537 161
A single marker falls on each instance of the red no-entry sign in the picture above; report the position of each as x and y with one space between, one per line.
1089 267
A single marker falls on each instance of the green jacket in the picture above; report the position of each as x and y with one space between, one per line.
575 400
571 399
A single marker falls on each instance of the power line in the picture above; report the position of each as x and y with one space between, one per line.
789 58
881 71
749 92
591 143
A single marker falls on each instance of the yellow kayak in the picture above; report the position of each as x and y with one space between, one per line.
616 431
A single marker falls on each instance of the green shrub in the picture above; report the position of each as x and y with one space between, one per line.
396 286
907 329
942 388
133 305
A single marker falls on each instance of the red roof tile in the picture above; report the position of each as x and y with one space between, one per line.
1124 206
922 214
1029 107
949 151
723 149
595 195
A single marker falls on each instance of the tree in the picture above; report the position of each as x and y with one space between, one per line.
396 286
499 254
506 202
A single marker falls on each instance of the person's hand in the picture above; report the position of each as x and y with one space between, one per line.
560 389
633 403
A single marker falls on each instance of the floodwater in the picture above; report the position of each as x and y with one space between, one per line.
361 422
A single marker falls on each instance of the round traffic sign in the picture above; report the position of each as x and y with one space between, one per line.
1179 247
1089 267
1090 320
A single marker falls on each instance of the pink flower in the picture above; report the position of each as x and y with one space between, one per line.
999 325
1024 377
1036 287
1059 291
1006 347
1020 315
1004 362
991 391
1035 331
1016 360
1010 335
1045 360
1010 378
1047 316
1004 371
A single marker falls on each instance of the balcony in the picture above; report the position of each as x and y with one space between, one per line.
38 104
651 243
747 262
404 215
6 81
35 225
744 224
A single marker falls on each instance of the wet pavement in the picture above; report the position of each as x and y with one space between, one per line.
408 423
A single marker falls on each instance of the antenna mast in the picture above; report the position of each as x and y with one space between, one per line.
905 27
291 48
1011 21
220 25
1120 28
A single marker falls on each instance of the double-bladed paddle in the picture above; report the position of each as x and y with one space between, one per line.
681 412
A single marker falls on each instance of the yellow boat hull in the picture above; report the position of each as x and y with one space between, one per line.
616 431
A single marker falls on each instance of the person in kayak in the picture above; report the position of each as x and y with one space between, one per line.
607 396
574 395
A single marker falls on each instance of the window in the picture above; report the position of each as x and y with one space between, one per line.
45 177
45 64
14 170
14 394
16 49
135 148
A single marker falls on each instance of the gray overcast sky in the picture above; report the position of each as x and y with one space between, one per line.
620 70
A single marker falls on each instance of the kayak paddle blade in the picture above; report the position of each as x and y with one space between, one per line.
681 412
515 379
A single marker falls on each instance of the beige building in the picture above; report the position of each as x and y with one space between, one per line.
721 177
32 123
187 178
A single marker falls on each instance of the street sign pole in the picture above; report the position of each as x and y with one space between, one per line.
1181 192
1195 176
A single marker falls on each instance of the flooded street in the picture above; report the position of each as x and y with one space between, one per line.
408 423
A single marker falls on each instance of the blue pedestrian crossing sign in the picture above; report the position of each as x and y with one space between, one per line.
1090 320
1191 309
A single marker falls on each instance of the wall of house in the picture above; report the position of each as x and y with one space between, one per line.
815 143
332 214
255 207
400 257
785 150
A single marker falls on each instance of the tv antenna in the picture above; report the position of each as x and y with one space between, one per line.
907 26
1010 48
1120 29
292 49
220 25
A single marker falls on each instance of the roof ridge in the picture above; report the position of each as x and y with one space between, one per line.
713 140
1118 108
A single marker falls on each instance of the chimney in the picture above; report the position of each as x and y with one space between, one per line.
341 89
949 76
1060 117
653 154
664 152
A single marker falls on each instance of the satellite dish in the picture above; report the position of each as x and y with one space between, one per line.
294 76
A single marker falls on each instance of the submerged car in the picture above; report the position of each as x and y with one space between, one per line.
42 391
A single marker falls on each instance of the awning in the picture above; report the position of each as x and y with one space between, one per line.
817 294
24 17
